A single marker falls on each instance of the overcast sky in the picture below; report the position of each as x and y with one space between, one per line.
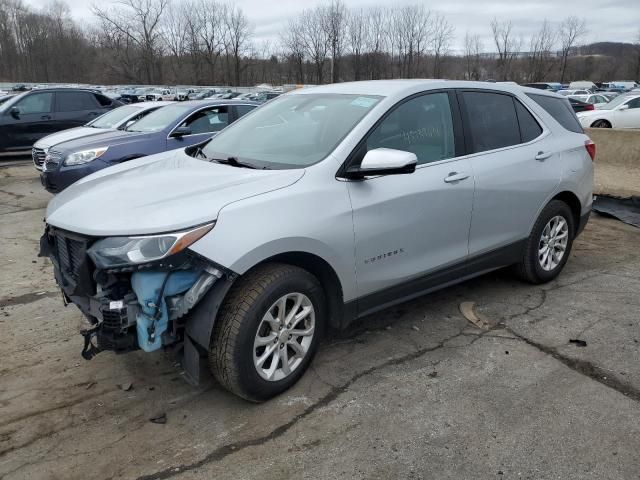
607 20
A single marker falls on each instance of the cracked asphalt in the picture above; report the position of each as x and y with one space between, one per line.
414 392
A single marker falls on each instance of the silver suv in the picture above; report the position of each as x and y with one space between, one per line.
324 205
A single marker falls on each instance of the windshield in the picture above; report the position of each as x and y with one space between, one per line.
162 118
115 117
292 131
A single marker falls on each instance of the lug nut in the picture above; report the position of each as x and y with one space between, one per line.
282 345
290 337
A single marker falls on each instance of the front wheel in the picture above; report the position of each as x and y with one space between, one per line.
549 244
267 331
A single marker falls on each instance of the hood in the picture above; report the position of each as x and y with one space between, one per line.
111 138
591 113
67 135
160 193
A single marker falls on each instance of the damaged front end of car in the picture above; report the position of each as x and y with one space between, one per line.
137 291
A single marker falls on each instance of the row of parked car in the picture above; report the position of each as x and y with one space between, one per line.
74 132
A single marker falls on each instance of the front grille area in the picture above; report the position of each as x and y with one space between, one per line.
71 254
38 155
53 158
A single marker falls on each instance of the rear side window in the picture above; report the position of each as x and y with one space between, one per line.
493 122
75 101
242 110
560 109
102 100
529 127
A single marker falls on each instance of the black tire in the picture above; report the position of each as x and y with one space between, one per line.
529 268
601 124
231 350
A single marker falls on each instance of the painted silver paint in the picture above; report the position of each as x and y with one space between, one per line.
387 158
553 243
262 213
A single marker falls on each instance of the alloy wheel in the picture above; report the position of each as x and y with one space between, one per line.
284 336
553 243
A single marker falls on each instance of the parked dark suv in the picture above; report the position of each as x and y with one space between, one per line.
32 115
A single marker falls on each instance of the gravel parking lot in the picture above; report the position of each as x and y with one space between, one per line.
415 392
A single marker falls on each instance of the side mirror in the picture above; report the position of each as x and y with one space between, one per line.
624 107
181 132
384 161
15 112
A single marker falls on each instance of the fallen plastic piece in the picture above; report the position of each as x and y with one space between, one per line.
160 418
626 210
468 310
578 343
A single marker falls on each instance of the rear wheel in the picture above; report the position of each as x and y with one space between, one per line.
549 244
601 124
267 331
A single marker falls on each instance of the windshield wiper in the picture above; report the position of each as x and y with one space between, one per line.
234 162
199 152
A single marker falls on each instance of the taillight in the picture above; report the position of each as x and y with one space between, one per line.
589 107
591 148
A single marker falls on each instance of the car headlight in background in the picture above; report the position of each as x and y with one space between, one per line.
85 156
112 252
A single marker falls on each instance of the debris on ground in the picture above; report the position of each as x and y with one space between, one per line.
413 327
578 343
468 310
160 418
125 386
626 210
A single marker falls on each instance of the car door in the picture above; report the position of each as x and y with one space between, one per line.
514 165
407 226
202 125
630 116
75 108
33 119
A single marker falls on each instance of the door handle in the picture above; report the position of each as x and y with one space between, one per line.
542 156
455 177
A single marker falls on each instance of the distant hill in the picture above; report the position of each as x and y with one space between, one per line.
609 49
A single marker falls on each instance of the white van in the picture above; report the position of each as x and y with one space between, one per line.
585 85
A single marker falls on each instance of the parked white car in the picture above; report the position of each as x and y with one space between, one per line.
163 94
569 93
621 112
594 99
582 84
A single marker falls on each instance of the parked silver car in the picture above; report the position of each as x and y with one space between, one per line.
325 205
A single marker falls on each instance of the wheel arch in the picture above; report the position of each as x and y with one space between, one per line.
326 275
572 200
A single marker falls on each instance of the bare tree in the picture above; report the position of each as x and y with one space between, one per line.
237 35
358 27
315 39
292 40
506 44
540 60
136 23
571 30
441 39
472 51
334 21
410 33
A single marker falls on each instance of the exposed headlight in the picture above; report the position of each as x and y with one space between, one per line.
78 158
112 252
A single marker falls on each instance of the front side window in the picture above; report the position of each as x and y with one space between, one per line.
206 121
422 125
292 131
635 103
493 122
75 101
35 103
